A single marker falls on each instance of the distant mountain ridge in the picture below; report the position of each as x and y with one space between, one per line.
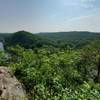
70 36
30 40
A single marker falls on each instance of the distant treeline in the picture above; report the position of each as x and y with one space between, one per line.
74 39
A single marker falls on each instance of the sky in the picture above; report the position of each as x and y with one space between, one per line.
49 15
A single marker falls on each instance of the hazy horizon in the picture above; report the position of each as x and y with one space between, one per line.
47 32
49 15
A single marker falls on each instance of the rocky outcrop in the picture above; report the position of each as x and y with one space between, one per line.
1 46
10 88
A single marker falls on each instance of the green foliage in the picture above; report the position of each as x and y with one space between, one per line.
2 58
46 74
62 40
26 40
52 73
90 60
75 39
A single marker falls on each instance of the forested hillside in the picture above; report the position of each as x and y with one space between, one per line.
4 35
55 70
58 39
71 36
78 38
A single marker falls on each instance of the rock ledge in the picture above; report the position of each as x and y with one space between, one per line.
10 87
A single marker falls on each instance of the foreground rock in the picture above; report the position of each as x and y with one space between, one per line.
10 88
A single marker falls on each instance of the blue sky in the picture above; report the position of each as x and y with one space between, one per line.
49 15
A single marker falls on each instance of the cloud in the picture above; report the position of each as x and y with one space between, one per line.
79 18
88 6
88 3
71 4
53 16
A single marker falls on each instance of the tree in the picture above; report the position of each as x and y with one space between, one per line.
91 59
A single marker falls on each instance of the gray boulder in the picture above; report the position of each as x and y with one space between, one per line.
10 87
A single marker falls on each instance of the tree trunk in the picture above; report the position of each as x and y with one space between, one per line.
98 68
98 71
